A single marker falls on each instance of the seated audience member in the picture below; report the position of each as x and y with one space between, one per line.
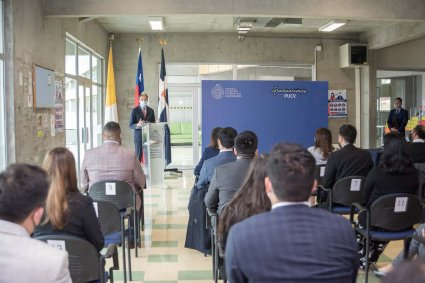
111 161
210 151
226 140
249 200
410 271
416 250
394 174
292 242
23 192
67 210
348 161
322 146
228 178
416 149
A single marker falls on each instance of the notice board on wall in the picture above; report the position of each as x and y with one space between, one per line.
44 87
277 111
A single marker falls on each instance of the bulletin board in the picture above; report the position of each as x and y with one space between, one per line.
43 87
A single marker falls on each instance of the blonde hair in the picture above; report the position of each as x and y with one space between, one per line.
59 164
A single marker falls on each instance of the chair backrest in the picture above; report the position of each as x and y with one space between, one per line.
396 212
84 261
117 192
421 189
348 190
319 173
108 216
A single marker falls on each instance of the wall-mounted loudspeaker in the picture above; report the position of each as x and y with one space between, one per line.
352 55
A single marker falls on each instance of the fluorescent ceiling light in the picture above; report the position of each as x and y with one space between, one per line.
246 24
242 31
243 28
156 23
332 25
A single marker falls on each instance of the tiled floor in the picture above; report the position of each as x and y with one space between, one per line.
163 258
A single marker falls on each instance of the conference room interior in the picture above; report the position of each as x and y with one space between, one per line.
202 43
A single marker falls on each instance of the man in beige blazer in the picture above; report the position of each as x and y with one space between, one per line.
111 161
23 192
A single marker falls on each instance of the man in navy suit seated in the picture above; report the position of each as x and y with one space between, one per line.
226 141
397 120
292 242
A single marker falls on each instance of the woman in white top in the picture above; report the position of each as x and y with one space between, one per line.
322 146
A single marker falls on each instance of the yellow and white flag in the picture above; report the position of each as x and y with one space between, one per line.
111 113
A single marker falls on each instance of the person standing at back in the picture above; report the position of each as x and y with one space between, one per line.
397 119
23 192
348 161
139 116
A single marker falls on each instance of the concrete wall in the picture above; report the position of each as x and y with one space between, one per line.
39 40
222 48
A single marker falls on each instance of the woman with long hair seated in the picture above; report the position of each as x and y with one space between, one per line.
394 174
67 210
249 200
322 146
210 151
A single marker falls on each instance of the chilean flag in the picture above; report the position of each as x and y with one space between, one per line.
163 109
140 87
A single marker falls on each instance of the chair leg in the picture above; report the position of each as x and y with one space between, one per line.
142 196
130 275
366 276
136 231
124 269
213 256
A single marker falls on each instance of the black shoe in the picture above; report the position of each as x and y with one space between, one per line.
131 244
379 274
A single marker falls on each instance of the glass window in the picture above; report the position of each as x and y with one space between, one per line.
70 58
96 69
83 63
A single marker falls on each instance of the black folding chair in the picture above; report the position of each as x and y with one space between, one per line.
112 224
390 218
122 196
421 188
212 225
319 172
344 193
85 263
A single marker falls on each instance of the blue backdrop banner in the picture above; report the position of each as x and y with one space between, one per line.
277 111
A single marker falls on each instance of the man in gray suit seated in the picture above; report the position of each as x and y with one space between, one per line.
293 242
226 140
23 192
228 178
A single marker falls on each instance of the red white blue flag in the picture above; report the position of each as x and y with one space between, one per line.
163 110
140 86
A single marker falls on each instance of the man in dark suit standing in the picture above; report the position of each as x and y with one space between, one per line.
348 161
139 116
226 141
416 149
228 178
397 120
292 242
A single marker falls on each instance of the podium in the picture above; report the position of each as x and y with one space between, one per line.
153 153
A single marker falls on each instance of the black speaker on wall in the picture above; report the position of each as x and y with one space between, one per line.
353 55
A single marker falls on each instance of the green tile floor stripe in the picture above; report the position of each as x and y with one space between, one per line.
162 258
195 275
165 244
169 226
151 205
137 275
151 196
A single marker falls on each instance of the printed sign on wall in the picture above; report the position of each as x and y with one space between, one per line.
337 103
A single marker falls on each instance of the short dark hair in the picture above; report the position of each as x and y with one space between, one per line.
227 137
246 143
290 168
112 127
419 130
143 94
23 188
348 132
399 99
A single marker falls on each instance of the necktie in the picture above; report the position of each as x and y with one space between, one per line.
144 112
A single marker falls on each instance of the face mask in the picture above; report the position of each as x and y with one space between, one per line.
143 103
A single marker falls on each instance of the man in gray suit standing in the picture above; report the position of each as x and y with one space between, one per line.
228 178
226 140
293 242
23 192
111 161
